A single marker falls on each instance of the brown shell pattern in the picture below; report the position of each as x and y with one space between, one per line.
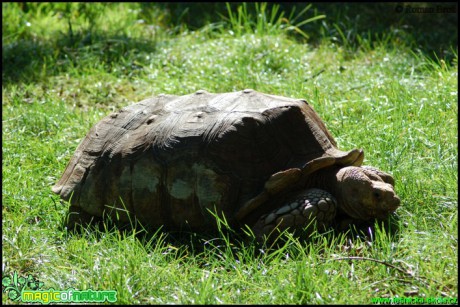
170 158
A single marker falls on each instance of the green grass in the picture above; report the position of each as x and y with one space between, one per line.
381 95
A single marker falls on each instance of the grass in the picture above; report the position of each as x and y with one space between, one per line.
381 95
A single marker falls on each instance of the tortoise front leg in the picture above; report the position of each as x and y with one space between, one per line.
310 209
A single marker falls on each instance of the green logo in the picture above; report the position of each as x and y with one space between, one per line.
28 290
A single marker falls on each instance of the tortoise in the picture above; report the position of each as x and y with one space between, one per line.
258 160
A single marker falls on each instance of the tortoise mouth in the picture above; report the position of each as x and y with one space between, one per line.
372 213
385 212
393 204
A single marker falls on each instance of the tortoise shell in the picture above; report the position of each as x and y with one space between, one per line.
168 160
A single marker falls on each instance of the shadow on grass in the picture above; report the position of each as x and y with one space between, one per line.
227 242
430 27
28 60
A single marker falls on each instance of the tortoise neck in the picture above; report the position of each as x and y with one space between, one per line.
325 179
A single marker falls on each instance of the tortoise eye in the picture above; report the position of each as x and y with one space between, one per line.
377 195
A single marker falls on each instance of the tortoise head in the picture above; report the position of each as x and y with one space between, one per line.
366 192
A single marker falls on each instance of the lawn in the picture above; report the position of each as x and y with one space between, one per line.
66 66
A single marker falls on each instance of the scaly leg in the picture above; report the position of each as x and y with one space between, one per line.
310 209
